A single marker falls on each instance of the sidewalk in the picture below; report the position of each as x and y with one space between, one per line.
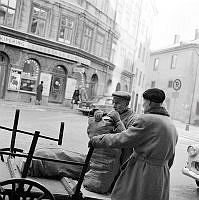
192 133
30 106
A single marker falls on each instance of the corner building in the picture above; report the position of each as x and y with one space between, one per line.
64 43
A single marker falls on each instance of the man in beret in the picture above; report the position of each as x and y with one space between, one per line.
145 175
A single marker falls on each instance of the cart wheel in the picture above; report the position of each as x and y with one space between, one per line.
197 183
26 189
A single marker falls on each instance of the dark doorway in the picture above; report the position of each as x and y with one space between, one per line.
58 85
3 73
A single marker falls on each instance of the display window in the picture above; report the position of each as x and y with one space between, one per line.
25 79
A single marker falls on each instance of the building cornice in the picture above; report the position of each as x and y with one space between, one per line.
127 73
175 47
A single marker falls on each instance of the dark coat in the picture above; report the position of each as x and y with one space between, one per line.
39 92
146 173
76 96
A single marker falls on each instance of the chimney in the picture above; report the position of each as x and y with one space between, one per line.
176 39
196 34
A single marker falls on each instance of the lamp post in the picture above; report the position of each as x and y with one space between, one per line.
192 98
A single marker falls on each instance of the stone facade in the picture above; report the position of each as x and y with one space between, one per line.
19 46
177 64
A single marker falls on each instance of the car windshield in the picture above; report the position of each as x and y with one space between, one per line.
105 101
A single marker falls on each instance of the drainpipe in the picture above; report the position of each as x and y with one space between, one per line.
193 95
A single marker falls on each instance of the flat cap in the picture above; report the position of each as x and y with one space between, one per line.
155 95
122 94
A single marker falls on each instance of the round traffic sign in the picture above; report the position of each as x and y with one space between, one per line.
177 84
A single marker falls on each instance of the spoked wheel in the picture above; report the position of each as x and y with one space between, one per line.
23 189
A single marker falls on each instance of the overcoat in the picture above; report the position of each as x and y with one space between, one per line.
145 175
39 92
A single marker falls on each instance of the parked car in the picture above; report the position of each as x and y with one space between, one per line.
103 103
191 168
86 106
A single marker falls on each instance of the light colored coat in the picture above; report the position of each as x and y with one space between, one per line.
145 176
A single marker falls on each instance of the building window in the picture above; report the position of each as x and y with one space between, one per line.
156 64
173 61
99 44
197 108
38 20
87 38
170 84
140 77
140 49
152 84
143 54
66 29
29 75
113 50
7 12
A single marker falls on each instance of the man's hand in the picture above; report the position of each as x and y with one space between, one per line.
95 141
114 115
98 115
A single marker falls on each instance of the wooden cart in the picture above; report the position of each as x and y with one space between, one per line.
16 185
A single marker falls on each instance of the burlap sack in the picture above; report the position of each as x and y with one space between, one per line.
105 162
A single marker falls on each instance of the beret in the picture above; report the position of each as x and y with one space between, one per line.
122 94
155 95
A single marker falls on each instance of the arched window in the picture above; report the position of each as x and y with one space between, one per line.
29 75
118 87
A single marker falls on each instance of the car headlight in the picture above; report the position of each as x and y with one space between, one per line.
191 151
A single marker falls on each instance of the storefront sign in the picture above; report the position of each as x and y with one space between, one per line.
35 47
46 78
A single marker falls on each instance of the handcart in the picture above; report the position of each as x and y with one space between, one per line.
16 185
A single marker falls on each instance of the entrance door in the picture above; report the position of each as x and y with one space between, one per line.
58 84
3 72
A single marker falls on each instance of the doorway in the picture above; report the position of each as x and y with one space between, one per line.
3 73
58 85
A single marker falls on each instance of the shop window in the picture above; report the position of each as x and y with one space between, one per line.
29 75
87 38
38 20
66 29
7 12
99 44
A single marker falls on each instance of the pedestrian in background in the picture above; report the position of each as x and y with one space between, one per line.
75 97
145 175
39 93
83 94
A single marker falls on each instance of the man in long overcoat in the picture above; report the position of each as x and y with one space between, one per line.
39 93
145 175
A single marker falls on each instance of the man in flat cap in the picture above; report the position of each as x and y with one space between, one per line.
145 175
121 101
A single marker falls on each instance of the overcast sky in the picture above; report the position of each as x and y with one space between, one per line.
174 17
